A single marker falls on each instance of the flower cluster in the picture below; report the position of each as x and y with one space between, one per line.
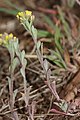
27 18
5 38
26 15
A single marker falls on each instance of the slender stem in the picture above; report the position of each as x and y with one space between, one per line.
33 56
14 114
11 95
25 92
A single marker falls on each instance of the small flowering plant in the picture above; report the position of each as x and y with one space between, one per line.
17 58
26 19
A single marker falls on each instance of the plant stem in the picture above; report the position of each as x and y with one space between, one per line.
11 93
25 92
14 114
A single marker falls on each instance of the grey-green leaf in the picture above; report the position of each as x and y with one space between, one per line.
15 63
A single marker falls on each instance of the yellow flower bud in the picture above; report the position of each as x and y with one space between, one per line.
28 13
6 37
17 16
0 35
15 38
22 15
32 18
10 35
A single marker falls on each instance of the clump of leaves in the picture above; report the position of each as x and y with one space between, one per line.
56 56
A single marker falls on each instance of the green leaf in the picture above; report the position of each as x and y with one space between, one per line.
43 33
11 4
22 56
71 3
25 63
16 48
49 21
46 65
27 25
51 57
16 45
14 64
55 53
22 72
12 12
34 33
65 24
56 58
58 63
23 60
38 45
57 37
11 50
63 105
